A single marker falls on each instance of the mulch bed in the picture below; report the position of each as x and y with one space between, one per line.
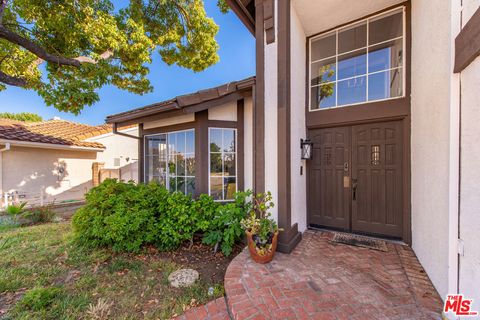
211 266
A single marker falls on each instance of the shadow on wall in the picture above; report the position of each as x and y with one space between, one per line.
44 176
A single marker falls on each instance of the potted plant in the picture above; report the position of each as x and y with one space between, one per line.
261 229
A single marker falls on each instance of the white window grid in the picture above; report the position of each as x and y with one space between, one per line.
367 47
166 170
223 176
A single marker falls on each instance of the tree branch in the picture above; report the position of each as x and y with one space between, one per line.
43 55
35 48
3 5
82 59
13 81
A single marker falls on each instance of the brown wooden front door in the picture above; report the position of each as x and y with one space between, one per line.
355 178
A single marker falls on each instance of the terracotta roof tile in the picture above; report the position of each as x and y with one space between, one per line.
60 132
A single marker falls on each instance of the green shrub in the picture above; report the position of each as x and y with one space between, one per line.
119 215
42 214
127 216
37 299
225 228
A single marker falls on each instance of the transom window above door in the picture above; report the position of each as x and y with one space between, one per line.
359 63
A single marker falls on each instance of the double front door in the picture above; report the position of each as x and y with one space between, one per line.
355 178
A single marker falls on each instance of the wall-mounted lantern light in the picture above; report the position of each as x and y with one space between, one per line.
307 149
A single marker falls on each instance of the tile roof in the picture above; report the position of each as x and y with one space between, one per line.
60 132
183 101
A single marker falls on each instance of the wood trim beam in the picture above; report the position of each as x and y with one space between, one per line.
259 103
141 154
467 43
201 152
240 145
290 237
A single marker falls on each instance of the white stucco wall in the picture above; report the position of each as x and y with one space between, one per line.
29 170
190 117
431 87
248 140
469 280
297 128
117 146
470 176
224 112
271 98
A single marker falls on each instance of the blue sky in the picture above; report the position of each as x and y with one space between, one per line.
237 61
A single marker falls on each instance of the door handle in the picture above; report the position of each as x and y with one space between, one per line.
354 189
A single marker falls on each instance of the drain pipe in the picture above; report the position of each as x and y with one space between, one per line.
6 148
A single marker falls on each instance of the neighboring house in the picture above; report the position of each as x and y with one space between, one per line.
58 161
385 93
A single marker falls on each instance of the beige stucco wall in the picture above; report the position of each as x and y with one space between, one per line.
30 170
298 130
120 147
190 117
248 140
470 177
224 112
431 82
469 280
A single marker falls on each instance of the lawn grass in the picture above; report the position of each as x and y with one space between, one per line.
45 275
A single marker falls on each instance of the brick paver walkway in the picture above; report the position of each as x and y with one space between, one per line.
321 280
214 310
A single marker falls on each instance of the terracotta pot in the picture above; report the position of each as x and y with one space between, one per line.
253 252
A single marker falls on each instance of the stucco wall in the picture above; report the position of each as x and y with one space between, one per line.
271 97
224 112
469 280
118 146
298 130
32 169
470 177
169 121
430 97
248 139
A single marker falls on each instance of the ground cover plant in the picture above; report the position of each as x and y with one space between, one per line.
44 274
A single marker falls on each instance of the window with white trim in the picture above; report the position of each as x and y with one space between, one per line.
222 163
359 63
170 160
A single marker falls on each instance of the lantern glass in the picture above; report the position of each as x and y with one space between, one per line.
306 146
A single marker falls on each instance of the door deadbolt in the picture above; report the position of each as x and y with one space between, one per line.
345 166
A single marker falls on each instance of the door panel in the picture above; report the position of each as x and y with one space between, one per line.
377 170
328 197
355 178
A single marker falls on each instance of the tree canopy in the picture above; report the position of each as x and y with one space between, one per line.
22 116
67 49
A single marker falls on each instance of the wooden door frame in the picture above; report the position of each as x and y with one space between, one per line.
406 165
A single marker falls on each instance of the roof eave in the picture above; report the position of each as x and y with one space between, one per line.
126 116
185 104
242 13
42 145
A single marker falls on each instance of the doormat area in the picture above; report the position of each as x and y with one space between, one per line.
360 241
